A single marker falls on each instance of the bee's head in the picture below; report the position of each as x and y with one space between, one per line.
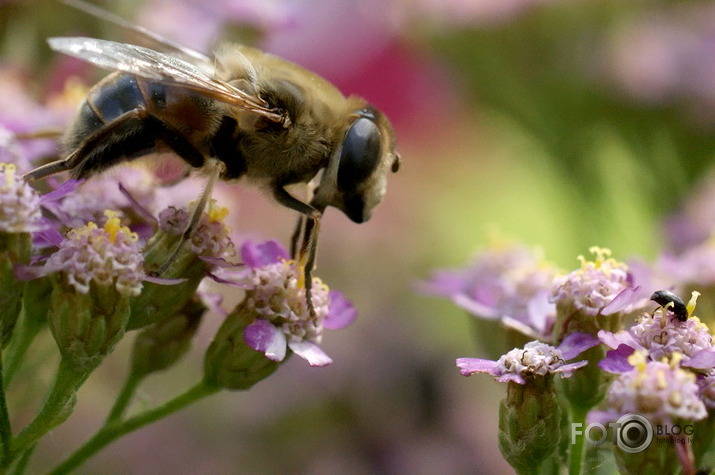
357 174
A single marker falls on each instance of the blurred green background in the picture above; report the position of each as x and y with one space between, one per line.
563 124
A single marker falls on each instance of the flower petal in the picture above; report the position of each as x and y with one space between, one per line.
568 369
61 191
626 297
310 352
576 343
614 340
469 366
703 359
541 311
341 311
616 361
475 308
162 280
262 336
510 378
47 237
258 255
443 284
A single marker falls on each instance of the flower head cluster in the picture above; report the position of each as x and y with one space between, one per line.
19 203
661 335
536 359
211 239
661 391
507 282
107 256
600 287
274 292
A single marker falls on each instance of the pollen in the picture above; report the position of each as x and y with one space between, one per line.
693 301
638 360
217 213
662 382
675 359
9 170
113 227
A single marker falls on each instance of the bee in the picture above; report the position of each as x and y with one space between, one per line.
665 297
243 113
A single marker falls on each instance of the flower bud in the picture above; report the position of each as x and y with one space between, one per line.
230 363
86 326
163 343
657 458
529 423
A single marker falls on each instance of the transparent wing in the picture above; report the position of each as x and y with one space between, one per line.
149 64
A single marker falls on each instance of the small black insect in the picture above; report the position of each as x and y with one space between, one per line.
664 297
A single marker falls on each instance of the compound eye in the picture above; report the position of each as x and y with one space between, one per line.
360 154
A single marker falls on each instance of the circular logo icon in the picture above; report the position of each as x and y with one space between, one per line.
634 433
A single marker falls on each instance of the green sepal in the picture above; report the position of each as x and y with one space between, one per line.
230 363
162 344
88 326
529 423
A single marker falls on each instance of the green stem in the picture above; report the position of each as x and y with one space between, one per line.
56 409
5 429
578 415
123 399
21 465
24 335
113 431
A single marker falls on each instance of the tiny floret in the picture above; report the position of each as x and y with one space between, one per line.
661 391
19 203
661 335
211 238
107 256
536 359
593 287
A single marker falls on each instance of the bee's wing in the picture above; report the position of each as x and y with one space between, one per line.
153 65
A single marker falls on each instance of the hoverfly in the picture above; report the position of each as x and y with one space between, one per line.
243 113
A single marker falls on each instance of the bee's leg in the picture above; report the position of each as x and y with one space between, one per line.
215 169
96 139
115 142
295 237
308 252
310 239
287 200
51 168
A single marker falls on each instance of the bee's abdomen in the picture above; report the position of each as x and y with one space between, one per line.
129 138
115 96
